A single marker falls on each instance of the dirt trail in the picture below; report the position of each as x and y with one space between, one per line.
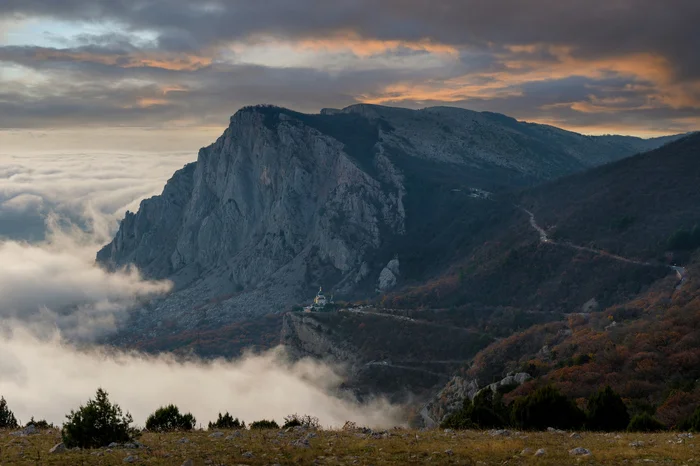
544 238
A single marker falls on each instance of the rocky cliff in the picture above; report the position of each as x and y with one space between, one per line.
284 202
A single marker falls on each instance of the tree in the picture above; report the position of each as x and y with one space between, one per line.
168 418
97 424
546 407
7 417
264 424
645 422
607 411
692 423
227 422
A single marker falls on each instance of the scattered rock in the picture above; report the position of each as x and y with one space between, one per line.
685 435
130 446
575 435
248 454
30 430
580 451
540 452
301 443
184 440
555 431
113 445
637 444
526 451
188 463
58 448
131 459
500 433
216 435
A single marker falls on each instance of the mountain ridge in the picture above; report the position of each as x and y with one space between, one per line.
284 202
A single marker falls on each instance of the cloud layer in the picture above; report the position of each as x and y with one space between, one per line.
54 302
56 211
47 378
621 65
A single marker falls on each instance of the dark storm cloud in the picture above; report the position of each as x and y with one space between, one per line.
175 71
593 28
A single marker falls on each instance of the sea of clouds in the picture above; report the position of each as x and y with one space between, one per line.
56 211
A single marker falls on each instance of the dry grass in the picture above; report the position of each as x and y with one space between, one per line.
397 447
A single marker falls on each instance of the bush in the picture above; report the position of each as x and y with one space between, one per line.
487 411
168 418
645 423
97 424
460 419
7 417
264 424
306 421
607 411
42 424
544 408
227 422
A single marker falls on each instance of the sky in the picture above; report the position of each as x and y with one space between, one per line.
133 74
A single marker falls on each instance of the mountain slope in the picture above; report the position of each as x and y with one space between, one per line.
630 207
285 202
645 345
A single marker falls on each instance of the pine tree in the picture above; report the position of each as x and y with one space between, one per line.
7 417
607 411
97 424
546 407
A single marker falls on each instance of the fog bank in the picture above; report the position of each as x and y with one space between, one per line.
45 378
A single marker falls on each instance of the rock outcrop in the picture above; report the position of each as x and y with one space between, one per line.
453 394
389 275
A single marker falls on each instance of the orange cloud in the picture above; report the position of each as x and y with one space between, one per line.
364 48
654 69
151 102
174 62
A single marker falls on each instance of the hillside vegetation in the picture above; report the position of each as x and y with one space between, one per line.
331 447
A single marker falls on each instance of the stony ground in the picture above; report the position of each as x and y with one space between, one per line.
394 447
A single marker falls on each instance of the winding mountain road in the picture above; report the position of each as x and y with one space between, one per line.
544 238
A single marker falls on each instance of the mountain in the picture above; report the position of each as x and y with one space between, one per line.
639 214
355 200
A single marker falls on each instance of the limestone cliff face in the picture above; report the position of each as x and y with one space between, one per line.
272 209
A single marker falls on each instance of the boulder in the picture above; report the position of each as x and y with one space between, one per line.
58 448
580 451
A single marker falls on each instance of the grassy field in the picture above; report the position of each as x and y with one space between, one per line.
394 447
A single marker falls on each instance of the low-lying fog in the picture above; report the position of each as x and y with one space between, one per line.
56 211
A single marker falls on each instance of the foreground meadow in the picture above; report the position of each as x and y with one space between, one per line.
361 447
